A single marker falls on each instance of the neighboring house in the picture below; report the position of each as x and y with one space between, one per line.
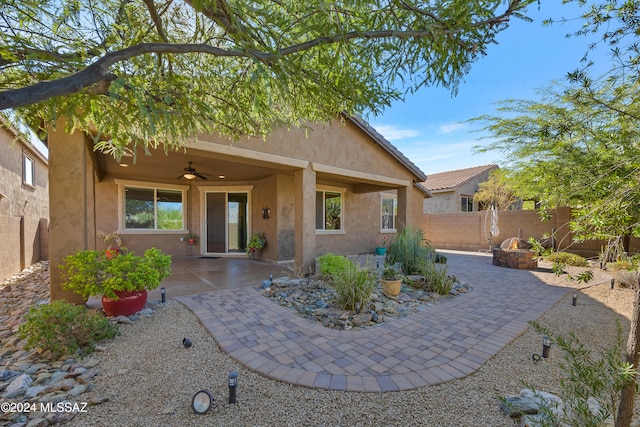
333 188
453 191
24 199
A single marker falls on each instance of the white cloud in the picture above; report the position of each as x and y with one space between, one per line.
394 133
451 127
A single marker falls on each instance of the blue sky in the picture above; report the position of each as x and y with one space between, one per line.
427 127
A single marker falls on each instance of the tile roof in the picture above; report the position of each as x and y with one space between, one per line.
452 179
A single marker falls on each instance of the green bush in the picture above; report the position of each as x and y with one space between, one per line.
62 328
352 285
331 263
435 277
567 259
409 249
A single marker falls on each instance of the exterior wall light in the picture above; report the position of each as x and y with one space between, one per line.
266 213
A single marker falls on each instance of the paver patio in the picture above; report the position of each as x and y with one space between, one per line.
441 342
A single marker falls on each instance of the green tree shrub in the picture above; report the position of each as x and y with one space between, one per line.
409 248
63 328
331 263
353 284
568 258
435 276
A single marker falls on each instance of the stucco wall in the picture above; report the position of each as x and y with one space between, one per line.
451 201
470 230
23 209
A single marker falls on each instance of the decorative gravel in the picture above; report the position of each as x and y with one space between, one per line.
149 378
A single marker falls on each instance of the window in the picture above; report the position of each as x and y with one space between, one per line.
28 170
145 207
388 214
328 210
467 204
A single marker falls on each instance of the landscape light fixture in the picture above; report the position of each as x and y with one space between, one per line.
546 346
233 383
202 401
163 293
574 301
613 282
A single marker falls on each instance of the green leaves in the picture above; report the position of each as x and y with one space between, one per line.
229 66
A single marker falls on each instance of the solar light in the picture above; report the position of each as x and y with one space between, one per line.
613 282
574 300
233 382
163 292
546 346
186 342
201 402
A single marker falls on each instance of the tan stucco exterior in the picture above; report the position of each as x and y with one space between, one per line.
24 208
281 173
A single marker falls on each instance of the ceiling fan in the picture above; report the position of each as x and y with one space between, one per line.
190 173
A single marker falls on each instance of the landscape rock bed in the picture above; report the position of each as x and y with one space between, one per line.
315 300
34 389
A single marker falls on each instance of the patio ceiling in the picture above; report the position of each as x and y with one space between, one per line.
168 167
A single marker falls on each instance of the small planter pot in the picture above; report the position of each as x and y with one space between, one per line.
128 303
381 251
391 287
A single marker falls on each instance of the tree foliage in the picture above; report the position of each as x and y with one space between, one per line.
152 72
496 191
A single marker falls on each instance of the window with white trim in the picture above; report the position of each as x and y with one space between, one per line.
388 213
467 204
146 207
328 210
28 170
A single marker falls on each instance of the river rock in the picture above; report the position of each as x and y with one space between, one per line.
361 319
19 384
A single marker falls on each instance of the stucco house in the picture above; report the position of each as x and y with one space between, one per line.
24 199
335 187
453 191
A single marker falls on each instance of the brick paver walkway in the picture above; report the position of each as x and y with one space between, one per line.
440 343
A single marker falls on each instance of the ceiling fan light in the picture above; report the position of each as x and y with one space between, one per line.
189 175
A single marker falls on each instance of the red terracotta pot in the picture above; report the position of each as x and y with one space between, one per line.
128 303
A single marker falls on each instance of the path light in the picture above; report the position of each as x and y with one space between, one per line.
574 300
201 402
233 382
546 346
358 307
613 282
163 292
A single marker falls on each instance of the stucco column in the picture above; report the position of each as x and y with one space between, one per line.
72 227
305 223
409 208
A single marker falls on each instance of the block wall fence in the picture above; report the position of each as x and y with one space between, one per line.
469 231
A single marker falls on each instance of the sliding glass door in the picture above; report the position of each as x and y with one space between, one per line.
226 220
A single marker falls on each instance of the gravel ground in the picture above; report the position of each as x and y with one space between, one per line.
150 378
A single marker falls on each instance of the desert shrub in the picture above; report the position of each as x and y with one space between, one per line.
409 248
567 258
63 328
331 263
589 378
353 284
435 276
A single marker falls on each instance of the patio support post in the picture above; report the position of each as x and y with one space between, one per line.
305 223
71 203
405 209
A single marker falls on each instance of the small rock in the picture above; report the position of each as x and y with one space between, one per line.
6 374
78 390
20 384
168 410
146 312
121 319
361 319
38 422
91 363
97 400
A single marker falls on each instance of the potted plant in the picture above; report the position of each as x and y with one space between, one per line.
381 246
122 278
113 242
391 281
256 242
192 238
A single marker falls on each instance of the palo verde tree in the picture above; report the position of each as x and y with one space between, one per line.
580 146
156 72
496 191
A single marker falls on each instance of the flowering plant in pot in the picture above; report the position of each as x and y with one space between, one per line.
192 238
256 242
381 246
122 279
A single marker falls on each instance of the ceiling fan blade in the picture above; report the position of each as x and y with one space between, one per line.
199 175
